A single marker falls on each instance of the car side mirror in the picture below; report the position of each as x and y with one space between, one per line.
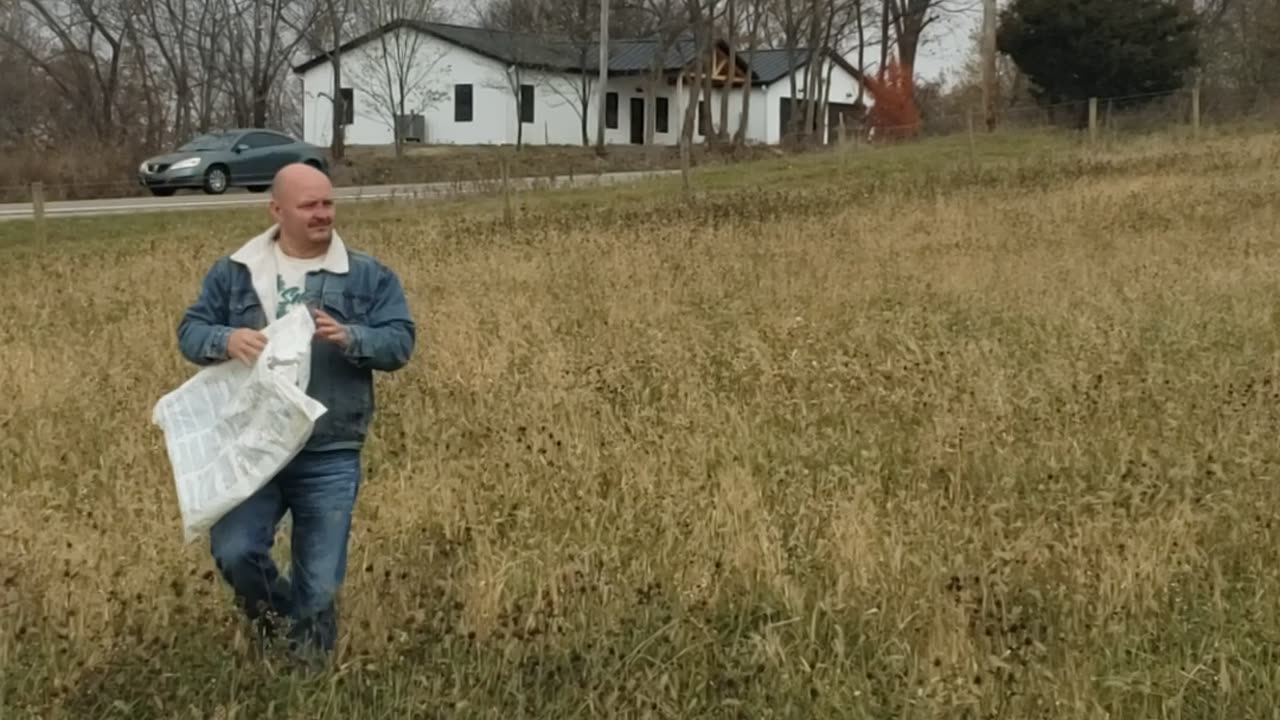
240 148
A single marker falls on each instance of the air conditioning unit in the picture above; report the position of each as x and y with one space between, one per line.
412 127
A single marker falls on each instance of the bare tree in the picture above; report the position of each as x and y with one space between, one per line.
909 19
1240 47
404 66
576 25
663 22
731 28
91 39
700 28
568 32
989 63
756 16
333 21
262 36
792 22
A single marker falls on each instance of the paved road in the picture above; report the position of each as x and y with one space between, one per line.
199 201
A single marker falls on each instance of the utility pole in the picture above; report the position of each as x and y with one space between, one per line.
604 75
989 63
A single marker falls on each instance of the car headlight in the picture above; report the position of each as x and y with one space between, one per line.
184 164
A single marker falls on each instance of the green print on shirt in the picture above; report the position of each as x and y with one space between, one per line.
289 296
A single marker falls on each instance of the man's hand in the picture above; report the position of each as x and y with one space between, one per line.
331 330
246 345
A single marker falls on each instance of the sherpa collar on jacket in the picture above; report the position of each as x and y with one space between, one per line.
258 257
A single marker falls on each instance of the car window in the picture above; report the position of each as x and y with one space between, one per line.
264 139
210 141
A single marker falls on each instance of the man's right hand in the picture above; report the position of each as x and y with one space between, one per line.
246 345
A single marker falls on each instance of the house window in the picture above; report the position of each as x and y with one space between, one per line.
462 110
702 118
662 119
526 103
348 106
611 110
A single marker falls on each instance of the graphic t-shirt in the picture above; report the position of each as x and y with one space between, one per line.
291 279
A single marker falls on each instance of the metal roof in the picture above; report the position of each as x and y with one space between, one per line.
627 56
771 65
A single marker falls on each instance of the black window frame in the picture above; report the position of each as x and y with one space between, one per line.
611 111
526 103
464 102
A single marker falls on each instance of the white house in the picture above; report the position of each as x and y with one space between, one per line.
449 84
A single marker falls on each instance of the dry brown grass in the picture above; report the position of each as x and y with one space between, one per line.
950 445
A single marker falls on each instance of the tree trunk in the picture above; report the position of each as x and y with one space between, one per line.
519 120
336 20
695 90
651 107
885 12
790 30
752 41
732 11
402 84
338 146
862 53
989 64
812 73
709 51
585 90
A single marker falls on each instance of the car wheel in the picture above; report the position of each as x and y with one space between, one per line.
216 180
316 164
163 192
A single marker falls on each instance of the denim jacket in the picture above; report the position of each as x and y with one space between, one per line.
353 287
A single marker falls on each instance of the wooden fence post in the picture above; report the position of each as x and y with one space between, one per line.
1195 111
37 209
508 214
973 144
1093 120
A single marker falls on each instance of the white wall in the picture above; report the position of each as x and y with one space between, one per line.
440 66
765 119
556 120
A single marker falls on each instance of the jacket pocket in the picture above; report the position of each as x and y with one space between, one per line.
246 310
348 306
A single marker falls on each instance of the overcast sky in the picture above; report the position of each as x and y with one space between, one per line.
946 43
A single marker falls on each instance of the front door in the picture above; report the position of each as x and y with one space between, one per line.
637 121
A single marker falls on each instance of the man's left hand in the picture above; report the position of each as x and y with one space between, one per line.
331 330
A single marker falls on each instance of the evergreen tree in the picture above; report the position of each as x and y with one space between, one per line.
1076 49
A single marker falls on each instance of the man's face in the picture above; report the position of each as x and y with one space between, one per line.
305 211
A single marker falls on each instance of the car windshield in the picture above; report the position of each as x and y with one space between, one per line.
209 142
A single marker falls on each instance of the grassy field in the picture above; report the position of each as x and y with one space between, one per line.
922 432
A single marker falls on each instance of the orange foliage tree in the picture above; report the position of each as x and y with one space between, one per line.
894 114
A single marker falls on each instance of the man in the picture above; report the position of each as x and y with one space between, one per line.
362 324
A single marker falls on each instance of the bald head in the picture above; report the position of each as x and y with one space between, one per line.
302 205
299 176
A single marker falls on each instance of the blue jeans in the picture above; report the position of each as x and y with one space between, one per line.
319 489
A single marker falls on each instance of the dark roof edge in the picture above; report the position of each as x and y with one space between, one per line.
424 27
835 56
352 44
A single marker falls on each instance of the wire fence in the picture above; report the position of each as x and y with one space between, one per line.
1178 111
1188 112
